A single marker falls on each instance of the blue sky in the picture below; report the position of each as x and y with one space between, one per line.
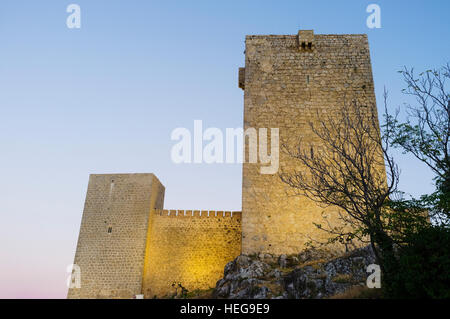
105 98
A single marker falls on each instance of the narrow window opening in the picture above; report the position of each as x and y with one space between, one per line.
109 230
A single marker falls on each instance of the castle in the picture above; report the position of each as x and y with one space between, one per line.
129 245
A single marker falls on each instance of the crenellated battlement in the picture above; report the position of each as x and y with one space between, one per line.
197 213
189 246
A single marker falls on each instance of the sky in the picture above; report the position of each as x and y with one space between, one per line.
105 98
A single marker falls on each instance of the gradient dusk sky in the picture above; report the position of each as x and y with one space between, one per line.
105 99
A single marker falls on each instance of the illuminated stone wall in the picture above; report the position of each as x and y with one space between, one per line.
112 240
189 247
287 81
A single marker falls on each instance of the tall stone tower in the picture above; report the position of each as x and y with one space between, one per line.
113 235
287 80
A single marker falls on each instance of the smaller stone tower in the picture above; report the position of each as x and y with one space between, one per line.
112 242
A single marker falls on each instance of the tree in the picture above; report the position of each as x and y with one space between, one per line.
423 265
353 170
426 132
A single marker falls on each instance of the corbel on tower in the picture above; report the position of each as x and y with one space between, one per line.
305 39
242 78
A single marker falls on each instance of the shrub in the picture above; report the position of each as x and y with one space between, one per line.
423 266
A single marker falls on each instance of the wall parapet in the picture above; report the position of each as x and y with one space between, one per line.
196 213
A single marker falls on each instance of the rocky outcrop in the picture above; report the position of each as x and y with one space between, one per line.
311 274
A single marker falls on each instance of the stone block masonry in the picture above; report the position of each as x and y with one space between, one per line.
289 81
112 240
190 248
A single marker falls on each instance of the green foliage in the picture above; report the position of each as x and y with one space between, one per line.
426 133
405 217
440 201
423 143
422 267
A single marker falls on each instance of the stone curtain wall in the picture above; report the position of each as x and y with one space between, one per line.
288 79
112 262
189 247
